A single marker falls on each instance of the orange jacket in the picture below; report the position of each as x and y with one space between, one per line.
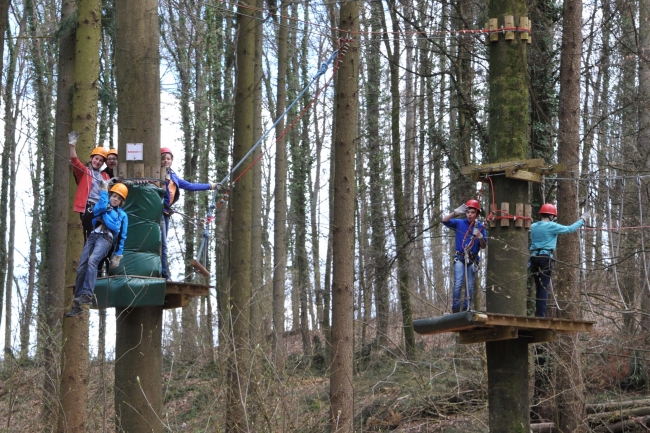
84 177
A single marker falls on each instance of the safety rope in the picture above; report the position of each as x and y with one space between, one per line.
214 205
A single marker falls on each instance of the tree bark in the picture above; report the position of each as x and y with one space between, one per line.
346 101
58 275
569 387
240 223
401 226
507 361
74 376
280 200
138 385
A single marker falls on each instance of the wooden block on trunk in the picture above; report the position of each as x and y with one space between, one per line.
528 212
494 26
138 169
519 213
505 210
523 26
509 22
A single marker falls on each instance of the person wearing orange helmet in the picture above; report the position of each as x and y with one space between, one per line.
110 225
89 178
543 235
173 185
471 238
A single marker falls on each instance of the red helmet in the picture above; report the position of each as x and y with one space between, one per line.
165 150
474 204
548 209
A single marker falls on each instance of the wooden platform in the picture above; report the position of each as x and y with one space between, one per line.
178 295
479 327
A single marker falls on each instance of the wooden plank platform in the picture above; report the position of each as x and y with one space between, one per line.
479 326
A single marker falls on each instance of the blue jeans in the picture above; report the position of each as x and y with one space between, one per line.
164 228
459 282
95 249
541 267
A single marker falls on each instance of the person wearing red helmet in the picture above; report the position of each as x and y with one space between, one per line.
89 178
471 238
543 235
173 185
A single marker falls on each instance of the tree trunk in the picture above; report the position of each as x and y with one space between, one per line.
138 331
506 289
401 226
280 200
59 264
346 101
74 375
569 387
240 223
377 169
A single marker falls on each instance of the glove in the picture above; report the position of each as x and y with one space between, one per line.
73 137
104 185
215 185
462 209
115 261
585 216
477 233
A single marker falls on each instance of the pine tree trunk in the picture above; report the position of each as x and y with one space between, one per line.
280 200
138 385
401 225
377 169
59 264
240 223
508 399
74 376
341 390
569 386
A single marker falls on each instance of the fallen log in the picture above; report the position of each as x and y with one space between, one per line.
611 406
623 426
544 427
618 415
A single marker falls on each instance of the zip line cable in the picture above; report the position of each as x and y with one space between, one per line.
338 55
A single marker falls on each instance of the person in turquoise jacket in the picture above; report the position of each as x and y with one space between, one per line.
109 226
543 235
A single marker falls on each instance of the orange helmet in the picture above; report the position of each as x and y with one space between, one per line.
548 209
121 190
111 152
99 150
165 150
474 204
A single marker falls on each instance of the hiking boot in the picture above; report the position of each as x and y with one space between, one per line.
84 299
75 310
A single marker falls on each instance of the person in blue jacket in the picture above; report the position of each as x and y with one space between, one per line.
471 238
173 185
543 235
110 225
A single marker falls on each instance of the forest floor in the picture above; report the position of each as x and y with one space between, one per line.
443 390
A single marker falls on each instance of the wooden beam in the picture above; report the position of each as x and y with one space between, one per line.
488 334
199 267
528 176
499 167
186 289
176 301
539 336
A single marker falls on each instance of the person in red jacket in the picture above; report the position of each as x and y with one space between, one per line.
89 178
